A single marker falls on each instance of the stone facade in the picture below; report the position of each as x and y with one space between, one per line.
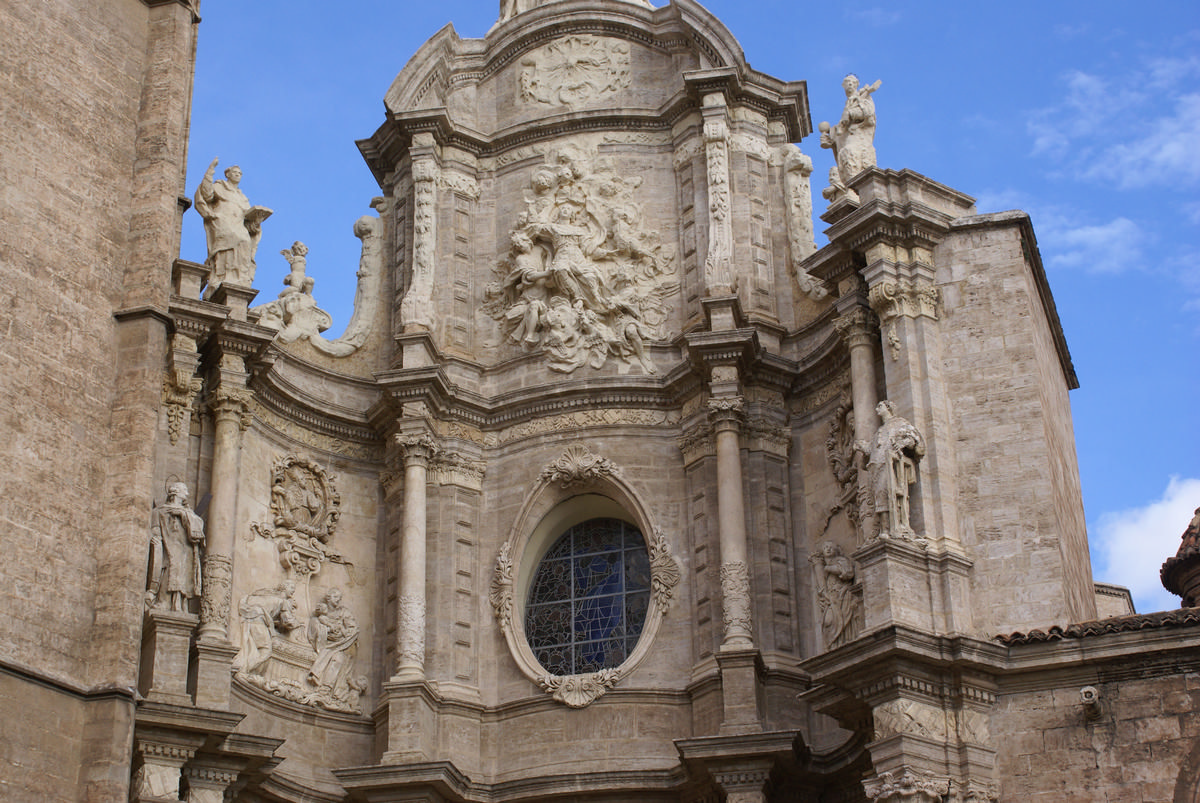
842 481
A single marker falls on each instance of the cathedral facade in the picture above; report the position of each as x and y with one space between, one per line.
616 487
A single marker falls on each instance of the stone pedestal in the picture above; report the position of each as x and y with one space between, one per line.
741 692
214 668
411 723
166 649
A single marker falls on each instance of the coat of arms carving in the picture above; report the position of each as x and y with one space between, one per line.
305 508
575 70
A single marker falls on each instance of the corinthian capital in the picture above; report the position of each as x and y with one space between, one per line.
911 298
856 327
727 408
232 401
418 449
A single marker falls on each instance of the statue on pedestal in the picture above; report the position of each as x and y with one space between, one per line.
891 470
176 539
852 140
232 227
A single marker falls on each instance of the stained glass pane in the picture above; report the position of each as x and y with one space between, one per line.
589 598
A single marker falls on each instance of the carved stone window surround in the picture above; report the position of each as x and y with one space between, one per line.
560 499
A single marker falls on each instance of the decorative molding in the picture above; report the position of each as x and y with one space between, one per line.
321 441
696 442
664 572
582 419
578 691
687 152
899 717
417 305
909 298
575 70
458 183
577 467
451 468
909 787
820 395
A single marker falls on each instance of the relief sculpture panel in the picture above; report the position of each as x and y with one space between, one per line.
584 279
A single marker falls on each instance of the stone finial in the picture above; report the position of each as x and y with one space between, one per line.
1181 574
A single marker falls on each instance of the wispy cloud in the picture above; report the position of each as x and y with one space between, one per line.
1129 546
1159 150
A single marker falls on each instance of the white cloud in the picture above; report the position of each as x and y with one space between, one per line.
1112 247
1129 546
1158 150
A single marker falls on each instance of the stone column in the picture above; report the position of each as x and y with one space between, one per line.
230 405
731 517
416 450
856 325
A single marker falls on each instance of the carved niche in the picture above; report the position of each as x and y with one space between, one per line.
584 279
305 508
575 70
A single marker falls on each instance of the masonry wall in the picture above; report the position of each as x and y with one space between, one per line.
1016 455
95 100
1141 746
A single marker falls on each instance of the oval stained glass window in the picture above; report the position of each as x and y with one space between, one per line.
589 598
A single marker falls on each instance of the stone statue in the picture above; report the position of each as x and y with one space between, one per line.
264 613
176 540
231 225
852 140
294 314
835 595
891 470
333 634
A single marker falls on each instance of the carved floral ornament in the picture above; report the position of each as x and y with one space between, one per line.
576 467
575 70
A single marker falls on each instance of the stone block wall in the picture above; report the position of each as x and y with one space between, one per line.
1019 504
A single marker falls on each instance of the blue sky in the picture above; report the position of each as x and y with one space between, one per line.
1087 116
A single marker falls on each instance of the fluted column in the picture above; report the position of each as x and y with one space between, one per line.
731 517
415 450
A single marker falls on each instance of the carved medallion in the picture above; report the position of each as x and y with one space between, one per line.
575 70
305 508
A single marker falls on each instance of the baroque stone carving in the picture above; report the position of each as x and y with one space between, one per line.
305 507
1179 574
578 466
511 8
891 471
580 419
178 397
797 167
294 315
584 280
417 305
369 230
265 613
718 264
735 589
840 608
852 140
216 592
176 543
575 70
664 572
907 716
910 298
501 594
410 631
232 227
318 671
906 787
846 463
578 691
